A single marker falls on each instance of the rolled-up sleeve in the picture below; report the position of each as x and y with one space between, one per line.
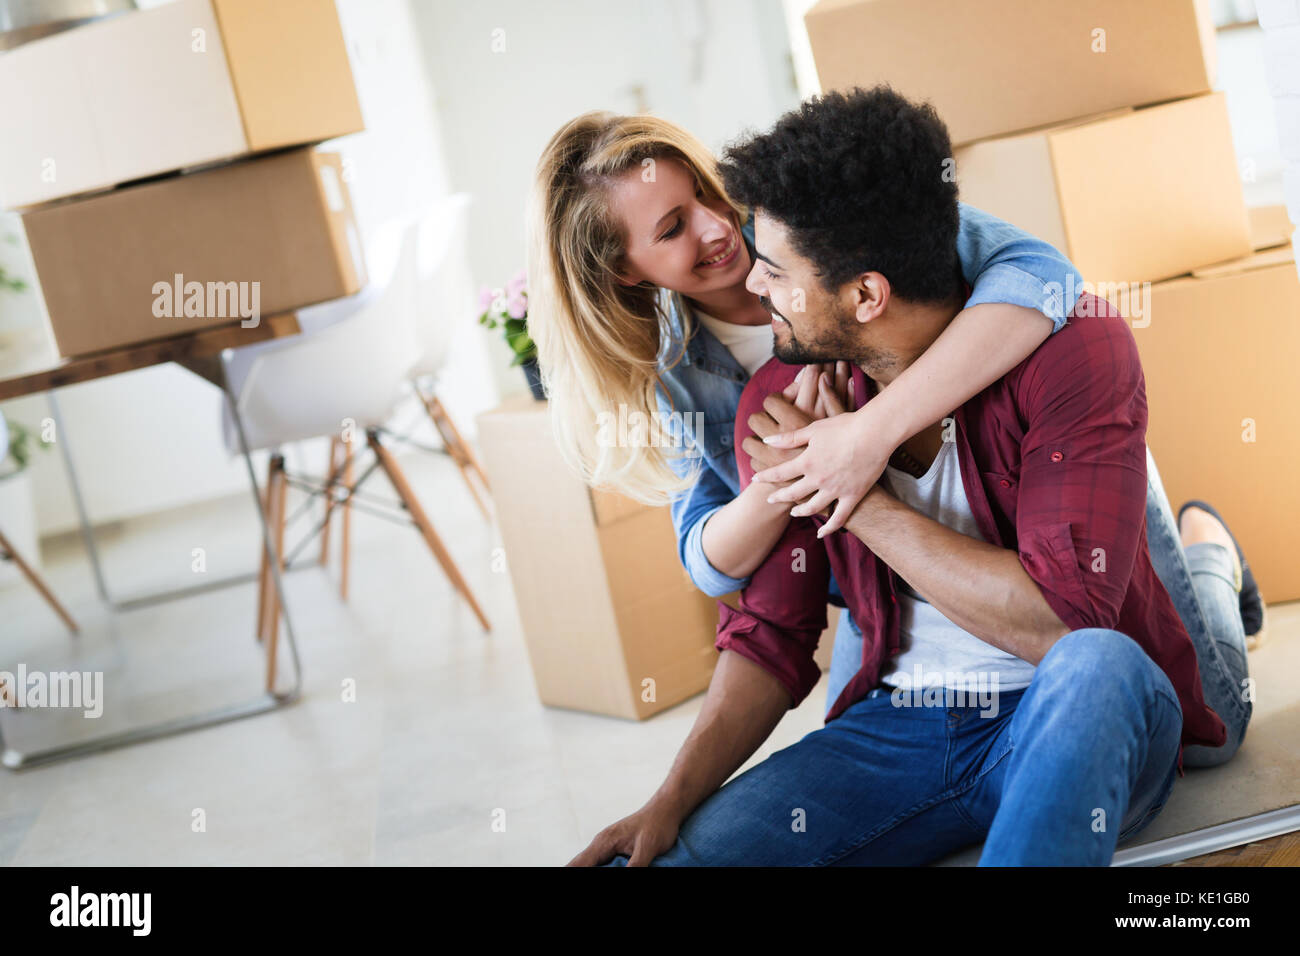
782 612
781 617
690 548
1003 263
1083 483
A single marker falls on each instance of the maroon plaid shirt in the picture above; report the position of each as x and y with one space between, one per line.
1053 461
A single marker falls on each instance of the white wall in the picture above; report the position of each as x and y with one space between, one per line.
715 66
151 440
1250 112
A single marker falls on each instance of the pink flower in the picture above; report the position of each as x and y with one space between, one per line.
518 284
516 307
485 297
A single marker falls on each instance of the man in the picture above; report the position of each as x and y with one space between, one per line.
1006 544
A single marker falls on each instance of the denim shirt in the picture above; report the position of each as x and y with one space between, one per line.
1000 262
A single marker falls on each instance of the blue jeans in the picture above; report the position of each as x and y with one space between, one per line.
1199 580
906 785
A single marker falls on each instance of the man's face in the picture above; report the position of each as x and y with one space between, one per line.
809 324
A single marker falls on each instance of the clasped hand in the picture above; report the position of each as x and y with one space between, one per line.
813 450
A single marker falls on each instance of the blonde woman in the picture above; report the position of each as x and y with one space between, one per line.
637 267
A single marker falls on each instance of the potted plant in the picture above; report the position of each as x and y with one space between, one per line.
17 511
507 309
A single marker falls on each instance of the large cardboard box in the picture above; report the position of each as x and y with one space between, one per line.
189 252
1134 196
992 67
612 622
1219 349
185 84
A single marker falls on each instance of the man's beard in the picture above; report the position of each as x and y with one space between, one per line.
836 343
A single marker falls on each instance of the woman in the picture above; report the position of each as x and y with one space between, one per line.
637 268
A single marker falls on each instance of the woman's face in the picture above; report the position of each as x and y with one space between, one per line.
675 238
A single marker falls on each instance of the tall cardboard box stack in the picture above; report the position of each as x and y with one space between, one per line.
612 622
1092 124
1219 348
122 167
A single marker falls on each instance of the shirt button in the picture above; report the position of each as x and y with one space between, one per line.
726 440
1004 483
1057 456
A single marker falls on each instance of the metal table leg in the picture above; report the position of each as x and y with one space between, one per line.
87 532
260 704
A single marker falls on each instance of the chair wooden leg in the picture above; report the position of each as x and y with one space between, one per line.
35 580
329 501
404 491
467 449
273 622
462 453
346 559
263 572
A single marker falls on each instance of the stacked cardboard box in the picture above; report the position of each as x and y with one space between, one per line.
1089 124
1092 125
993 67
1218 348
232 244
167 95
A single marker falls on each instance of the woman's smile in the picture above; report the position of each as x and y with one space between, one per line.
724 257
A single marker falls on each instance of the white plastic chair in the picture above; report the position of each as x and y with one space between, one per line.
344 378
444 297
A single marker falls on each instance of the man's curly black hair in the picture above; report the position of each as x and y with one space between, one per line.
857 179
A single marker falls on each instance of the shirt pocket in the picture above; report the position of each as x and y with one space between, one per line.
717 442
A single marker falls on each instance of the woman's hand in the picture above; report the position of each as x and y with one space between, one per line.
843 457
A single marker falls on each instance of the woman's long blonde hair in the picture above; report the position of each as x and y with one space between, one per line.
599 342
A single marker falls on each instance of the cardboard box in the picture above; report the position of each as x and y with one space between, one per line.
1218 348
1269 226
275 232
1134 196
992 67
185 84
604 602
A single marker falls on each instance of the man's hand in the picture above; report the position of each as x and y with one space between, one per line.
778 415
743 705
640 837
818 391
845 455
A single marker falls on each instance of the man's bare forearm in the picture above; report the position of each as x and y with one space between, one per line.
744 704
980 587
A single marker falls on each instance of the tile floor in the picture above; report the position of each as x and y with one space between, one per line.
445 730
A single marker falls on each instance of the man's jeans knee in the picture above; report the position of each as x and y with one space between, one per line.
1095 742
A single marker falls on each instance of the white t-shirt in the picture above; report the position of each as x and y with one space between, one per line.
750 344
928 640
